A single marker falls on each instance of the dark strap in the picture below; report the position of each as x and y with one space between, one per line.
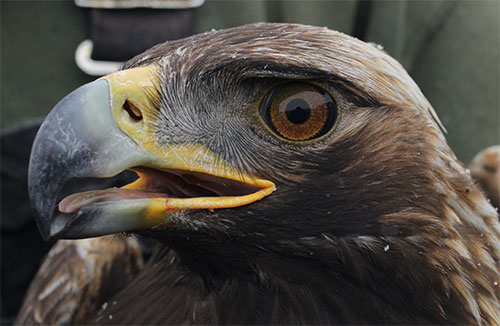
362 19
120 34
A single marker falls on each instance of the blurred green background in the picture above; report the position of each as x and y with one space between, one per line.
451 49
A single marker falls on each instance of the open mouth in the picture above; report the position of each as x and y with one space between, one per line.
93 134
179 189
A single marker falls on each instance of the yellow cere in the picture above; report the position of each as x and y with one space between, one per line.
140 87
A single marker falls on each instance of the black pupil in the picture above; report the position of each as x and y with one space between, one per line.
298 111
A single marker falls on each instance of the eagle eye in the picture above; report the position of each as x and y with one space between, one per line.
299 111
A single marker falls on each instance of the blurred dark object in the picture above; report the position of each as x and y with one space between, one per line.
22 246
119 35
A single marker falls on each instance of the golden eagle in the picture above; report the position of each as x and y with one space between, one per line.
292 175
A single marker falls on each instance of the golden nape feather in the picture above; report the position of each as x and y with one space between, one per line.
77 278
485 169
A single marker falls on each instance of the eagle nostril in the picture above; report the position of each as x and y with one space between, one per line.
133 111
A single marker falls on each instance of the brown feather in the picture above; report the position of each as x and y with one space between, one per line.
77 277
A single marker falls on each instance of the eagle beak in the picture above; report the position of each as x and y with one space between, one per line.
104 128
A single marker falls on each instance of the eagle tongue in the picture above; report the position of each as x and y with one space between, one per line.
72 203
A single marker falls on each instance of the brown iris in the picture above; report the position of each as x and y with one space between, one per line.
299 111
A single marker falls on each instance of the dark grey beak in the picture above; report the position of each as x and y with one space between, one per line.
79 138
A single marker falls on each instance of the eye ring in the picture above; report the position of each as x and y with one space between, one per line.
299 112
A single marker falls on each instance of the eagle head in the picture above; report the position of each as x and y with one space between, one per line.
288 156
